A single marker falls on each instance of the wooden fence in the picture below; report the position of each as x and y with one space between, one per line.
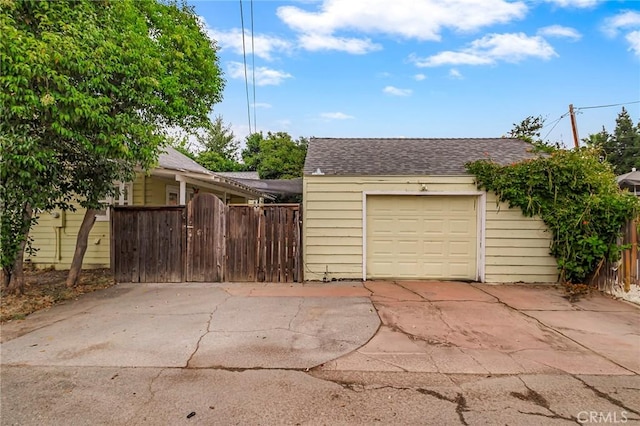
625 272
264 243
207 241
147 244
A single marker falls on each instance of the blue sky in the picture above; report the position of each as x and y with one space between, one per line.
426 68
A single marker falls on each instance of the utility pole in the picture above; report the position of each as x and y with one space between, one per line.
574 126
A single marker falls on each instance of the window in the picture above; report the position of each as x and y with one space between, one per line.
173 195
123 197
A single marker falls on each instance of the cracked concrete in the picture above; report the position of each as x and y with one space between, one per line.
482 329
194 326
389 353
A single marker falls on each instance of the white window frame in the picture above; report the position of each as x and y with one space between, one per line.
172 189
125 198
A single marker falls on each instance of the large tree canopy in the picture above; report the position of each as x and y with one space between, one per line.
87 88
277 156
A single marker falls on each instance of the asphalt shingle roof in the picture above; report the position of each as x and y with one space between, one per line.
175 160
405 156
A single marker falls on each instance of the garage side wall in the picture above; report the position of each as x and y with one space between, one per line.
516 247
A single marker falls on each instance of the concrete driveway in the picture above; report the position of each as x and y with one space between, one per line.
339 353
460 328
433 327
196 326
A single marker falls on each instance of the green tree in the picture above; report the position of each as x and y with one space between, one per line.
87 87
277 156
597 140
528 129
251 154
622 150
219 147
183 146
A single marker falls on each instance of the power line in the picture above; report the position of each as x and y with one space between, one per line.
253 71
608 106
555 123
244 55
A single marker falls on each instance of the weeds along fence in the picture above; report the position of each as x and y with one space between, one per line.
626 272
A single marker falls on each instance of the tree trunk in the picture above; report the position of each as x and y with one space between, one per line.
5 277
16 277
81 247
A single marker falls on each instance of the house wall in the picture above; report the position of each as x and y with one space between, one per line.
55 238
516 247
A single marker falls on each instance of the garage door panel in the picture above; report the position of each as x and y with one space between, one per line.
433 248
415 237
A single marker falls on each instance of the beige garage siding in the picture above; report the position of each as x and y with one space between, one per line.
516 247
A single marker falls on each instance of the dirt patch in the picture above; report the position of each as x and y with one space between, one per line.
45 288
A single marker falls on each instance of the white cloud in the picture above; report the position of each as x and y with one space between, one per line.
634 42
419 77
264 76
336 116
513 47
560 31
356 46
410 19
265 45
575 3
394 91
623 22
259 104
454 73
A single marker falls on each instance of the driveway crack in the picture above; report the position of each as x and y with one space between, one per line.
207 331
540 401
459 400
606 396
554 330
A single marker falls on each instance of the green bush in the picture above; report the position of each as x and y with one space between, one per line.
577 197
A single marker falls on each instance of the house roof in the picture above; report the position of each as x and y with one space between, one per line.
240 175
275 186
405 156
175 160
172 160
629 179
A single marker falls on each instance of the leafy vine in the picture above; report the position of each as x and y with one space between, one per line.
577 197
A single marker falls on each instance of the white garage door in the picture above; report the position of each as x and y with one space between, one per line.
416 237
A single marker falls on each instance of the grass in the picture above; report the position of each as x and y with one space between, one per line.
45 288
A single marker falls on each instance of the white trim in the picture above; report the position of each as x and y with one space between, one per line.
183 192
122 200
481 228
480 217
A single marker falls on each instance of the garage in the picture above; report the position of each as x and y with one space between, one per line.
406 209
418 237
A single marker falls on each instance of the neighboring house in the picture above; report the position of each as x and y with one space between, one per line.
407 209
630 181
278 188
174 181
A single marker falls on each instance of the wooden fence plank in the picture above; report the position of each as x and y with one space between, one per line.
207 242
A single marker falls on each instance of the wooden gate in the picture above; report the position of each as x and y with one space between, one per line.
207 242
147 244
264 243
206 239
